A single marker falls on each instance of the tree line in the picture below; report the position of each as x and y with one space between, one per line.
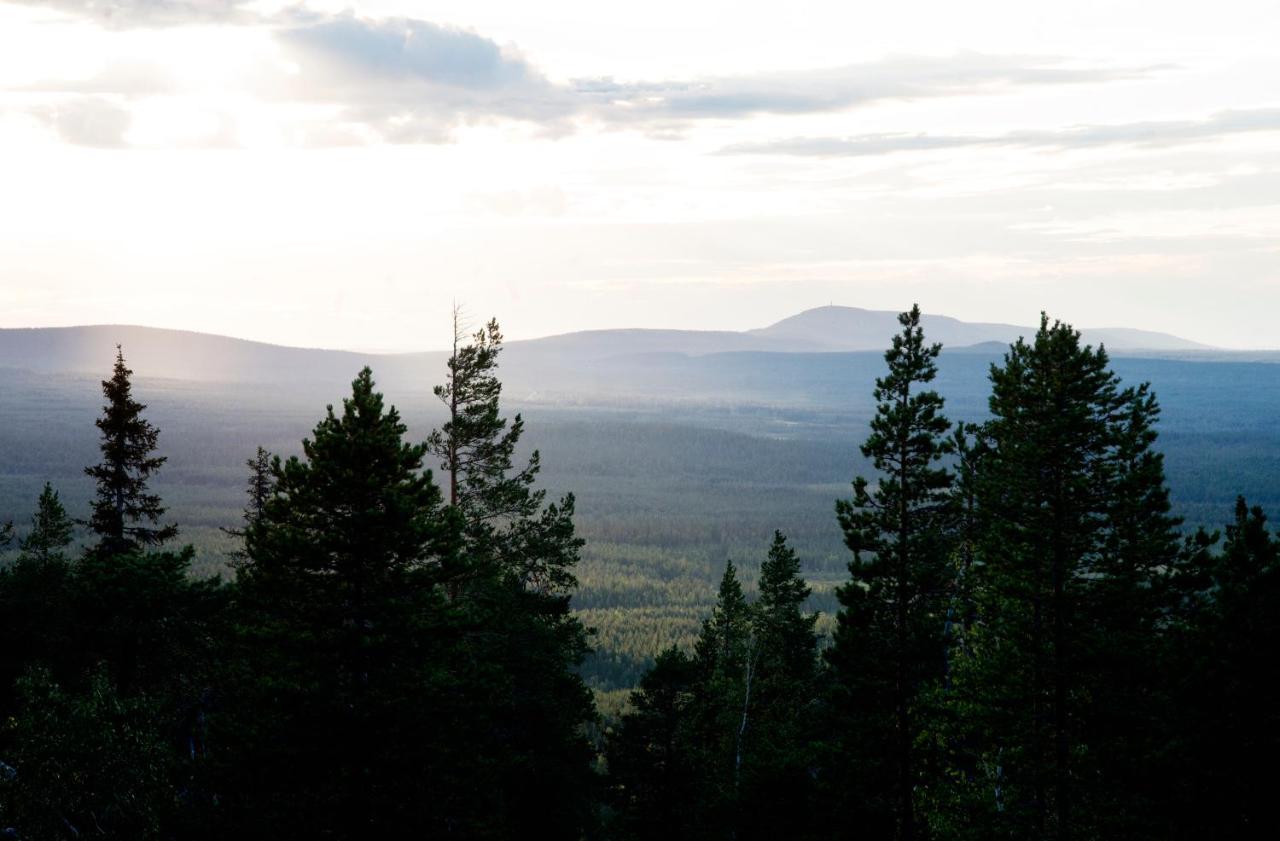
1028 647
394 656
1029 644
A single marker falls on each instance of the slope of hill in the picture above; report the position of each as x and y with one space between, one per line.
201 357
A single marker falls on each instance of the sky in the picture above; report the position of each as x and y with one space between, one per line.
340 174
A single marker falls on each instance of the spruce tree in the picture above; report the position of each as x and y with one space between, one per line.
777 786
257 491
125 515
726 658
888 643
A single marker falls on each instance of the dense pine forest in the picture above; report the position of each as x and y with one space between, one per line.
1026 642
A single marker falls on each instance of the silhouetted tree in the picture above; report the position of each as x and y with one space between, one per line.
125 515
888 643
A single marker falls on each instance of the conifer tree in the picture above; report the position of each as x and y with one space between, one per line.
51 529
776 794
888 643
653 770
125 515
1126 615
1046 501
787 641
726 657
510 572
257 491
342 633
476 445
1226 730
35 599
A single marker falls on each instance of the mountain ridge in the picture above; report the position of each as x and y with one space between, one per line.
187 354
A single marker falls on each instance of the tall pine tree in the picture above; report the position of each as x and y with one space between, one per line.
1074 544
889 638
510 570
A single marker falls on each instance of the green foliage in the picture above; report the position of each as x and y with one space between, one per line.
84 765
653 772
51 530
1051 719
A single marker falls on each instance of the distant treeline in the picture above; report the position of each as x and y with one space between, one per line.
1028 644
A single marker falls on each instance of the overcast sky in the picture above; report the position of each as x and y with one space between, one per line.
336 174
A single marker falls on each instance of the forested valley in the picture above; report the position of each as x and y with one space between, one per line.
1023 640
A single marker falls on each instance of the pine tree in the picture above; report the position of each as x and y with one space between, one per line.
476 445
1047 501
510 572
888 643
125 516
51 529
1125 641
342 633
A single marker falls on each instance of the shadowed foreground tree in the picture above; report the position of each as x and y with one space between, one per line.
1225 731
335 721
720 745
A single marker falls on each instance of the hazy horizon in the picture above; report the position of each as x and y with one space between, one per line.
334 174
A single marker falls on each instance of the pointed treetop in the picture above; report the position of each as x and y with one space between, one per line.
125 516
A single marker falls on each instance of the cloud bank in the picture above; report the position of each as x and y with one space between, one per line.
407 80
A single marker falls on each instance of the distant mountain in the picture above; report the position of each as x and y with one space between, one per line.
184 355
851 328
178 354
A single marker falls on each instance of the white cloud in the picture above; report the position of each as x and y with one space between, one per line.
130 14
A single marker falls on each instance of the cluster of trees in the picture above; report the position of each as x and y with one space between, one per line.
395 657
1028 646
